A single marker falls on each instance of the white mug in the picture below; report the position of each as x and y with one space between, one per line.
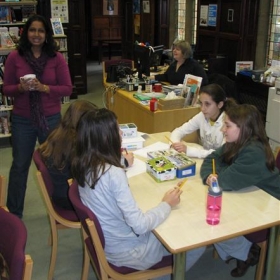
29 79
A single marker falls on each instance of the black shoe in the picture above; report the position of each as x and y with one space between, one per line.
242 266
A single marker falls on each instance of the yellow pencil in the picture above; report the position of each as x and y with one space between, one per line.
182 183
213 166
169 139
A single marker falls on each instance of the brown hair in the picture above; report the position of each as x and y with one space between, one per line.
249 120
60 143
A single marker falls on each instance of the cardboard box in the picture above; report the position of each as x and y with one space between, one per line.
161 169
185 166
170 104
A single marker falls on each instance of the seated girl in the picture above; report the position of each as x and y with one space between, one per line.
209 121
245 160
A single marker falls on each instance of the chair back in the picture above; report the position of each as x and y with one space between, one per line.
37 158
83 213
13 236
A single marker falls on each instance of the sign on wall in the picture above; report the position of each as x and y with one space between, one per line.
59 9
212 14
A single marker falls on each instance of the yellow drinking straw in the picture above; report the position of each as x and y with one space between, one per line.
213 166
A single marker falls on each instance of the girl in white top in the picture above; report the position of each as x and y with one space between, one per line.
104 188
213 101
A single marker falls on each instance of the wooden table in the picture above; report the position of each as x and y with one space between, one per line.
129 110
243 212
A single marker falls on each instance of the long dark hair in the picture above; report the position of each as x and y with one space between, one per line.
49 46
60 144
218 95
249 120
98 143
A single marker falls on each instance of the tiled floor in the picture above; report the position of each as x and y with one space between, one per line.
69 258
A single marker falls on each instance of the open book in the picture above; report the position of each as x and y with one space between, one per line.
190 89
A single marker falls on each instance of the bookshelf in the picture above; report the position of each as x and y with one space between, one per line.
61 41
13 16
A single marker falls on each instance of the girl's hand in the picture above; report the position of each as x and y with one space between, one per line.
179 147
209 178
172 197
130 158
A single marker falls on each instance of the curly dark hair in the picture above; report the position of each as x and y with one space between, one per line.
49 46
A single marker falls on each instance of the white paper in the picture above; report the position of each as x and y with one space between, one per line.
154 147
138 167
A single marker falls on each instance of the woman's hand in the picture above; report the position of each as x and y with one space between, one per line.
179 147
172 197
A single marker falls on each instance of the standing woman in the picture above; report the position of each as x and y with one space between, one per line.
183 64
37 105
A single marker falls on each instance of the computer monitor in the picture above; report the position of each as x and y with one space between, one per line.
146 58
142 60
155 57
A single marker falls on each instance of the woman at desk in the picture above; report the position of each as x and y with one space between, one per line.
209 122
244 160
104 188
183 64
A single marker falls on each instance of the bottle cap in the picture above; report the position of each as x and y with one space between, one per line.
214 188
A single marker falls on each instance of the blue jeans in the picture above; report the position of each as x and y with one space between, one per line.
24 137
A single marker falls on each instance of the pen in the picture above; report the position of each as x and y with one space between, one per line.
181 184
169 139
213 166
125 151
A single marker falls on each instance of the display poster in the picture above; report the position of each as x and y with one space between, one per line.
146 7
203 15
212 14
110 7
243 66
59 9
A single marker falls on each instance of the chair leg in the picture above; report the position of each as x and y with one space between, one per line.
54 249
85 265
260 267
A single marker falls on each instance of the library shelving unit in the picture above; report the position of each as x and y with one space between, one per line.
13 14
61 41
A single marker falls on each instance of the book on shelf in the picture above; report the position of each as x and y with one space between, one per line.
57 26
5 15
190 89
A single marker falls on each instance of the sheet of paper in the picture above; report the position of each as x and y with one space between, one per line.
138 167
154 147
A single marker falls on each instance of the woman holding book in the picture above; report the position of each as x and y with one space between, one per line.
183 64
37 102
209 121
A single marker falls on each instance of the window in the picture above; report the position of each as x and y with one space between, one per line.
273 44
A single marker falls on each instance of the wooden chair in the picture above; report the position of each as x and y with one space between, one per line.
3 190
13 236
94 245
59 218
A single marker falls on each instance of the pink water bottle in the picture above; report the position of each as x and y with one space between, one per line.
214 203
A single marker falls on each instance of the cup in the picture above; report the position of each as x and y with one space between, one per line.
157 88
29 78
